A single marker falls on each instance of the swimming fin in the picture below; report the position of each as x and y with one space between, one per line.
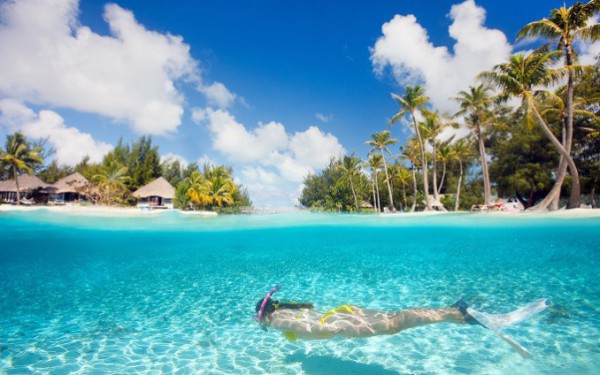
495 321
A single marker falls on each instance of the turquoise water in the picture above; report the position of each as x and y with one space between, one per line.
173 294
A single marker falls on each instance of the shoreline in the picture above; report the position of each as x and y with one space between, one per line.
100 210
134 211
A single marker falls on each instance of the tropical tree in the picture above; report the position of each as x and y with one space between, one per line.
111 183
565 26
374 163
18 157
524 77
444 155
219 190
414 100
380 142
431 128
411 153
403 177
214 187
195 188
350 168
558 109
475 107
461 151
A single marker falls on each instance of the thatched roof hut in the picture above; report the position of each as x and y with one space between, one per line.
73 183
157 188
27 183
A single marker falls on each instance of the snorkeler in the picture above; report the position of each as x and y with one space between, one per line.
301 321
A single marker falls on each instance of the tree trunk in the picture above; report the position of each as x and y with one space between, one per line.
457 202
17 183
374 197
562 166
354 194
434 174
568 159
378 195
487 191
436 195
575 200
443 178
553 196
593 193
414 175
552 199
423 164
403 195
387 179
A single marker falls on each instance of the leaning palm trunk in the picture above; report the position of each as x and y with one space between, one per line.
436 194
424 164
387 179
574 201
552 199
554 195
443 178
434 174
354 194
374 197
403 196
456 203
377 190
17 183
414 202
487 191
563 151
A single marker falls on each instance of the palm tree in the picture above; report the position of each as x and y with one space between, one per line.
350 168
374 163
461 151
444 155
196 188
403 177
111 182
380 142
475 105
414 100
430 129
565 25
411 153
558 107
18 157
219 190
522 77
215 187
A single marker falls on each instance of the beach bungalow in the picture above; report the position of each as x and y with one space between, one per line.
69 189
30 187
157 194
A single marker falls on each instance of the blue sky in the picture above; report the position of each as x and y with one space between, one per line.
273 88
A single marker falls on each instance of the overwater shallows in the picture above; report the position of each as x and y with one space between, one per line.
174 294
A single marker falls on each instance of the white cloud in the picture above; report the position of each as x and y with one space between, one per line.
405 48
314 148
589 51
71 144
217 94
274 163
170 156
236 142
324 118
47 57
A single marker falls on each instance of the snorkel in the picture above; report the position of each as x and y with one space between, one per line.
258 317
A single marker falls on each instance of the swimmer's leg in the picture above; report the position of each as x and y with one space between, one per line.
417 317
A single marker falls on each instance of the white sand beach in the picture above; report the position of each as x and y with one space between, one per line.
100 210
134 211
